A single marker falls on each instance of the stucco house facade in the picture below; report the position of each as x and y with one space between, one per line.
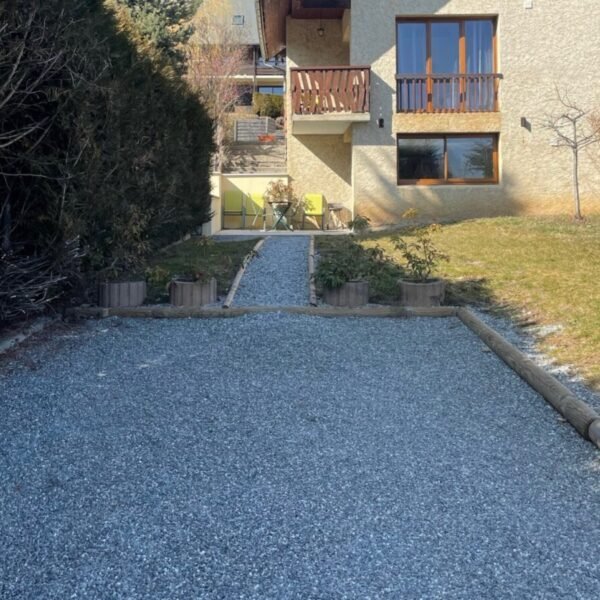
434 104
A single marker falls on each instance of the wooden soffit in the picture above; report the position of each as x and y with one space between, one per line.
271 25
273 13
319 9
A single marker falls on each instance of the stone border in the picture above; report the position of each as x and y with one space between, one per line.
238 278
312 297
579 414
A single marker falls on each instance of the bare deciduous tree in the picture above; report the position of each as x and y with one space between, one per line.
575 128
216 53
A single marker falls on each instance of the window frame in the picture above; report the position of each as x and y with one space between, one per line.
462 40
454 180
271 87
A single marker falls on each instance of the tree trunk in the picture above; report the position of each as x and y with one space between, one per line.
220 146
577 216
576 197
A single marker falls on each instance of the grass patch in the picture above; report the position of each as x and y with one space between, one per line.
220 259
545 270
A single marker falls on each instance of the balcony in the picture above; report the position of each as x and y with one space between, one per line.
448 93
329 99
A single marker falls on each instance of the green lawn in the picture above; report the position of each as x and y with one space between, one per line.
544 270
197 255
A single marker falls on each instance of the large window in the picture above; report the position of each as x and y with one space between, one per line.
447 159
446 65
274 90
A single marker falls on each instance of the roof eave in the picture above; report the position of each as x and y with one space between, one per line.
261 27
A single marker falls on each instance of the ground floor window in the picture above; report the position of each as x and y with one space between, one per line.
274 90
447 159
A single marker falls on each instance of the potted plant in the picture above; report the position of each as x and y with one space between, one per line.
284 203
192 289
417 286
119 289
359 224
342 275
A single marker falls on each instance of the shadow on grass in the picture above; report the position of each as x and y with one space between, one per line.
193 257
478 294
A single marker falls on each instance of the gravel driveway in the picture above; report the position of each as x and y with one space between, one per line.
278 276
279 456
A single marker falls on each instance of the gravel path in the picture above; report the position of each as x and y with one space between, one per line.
355 458
278 276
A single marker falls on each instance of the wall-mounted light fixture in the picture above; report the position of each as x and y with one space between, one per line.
321 29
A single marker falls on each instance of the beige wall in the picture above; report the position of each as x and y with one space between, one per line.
215 224
555 43
318 163
247 184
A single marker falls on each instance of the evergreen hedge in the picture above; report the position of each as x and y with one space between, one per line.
100 141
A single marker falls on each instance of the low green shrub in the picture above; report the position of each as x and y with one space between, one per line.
346 260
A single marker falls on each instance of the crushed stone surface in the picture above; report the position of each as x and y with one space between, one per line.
287 457
278 276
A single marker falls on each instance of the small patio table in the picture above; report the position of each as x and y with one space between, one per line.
280 210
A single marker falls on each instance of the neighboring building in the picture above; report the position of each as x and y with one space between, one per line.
258 74
434 104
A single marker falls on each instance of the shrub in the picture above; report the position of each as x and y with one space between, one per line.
359 224
268 105
346 260
421 255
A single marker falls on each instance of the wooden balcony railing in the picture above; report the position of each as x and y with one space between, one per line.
326 90
448 93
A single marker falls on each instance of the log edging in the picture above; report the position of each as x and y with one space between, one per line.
577 412
312 295
238 278
175 312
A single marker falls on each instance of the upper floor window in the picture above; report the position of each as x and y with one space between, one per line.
238 19
446 65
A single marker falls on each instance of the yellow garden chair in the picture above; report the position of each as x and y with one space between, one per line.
255 207
314 207
233 206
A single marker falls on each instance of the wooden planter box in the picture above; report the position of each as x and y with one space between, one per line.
117 294
351 294
193 293
429 293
